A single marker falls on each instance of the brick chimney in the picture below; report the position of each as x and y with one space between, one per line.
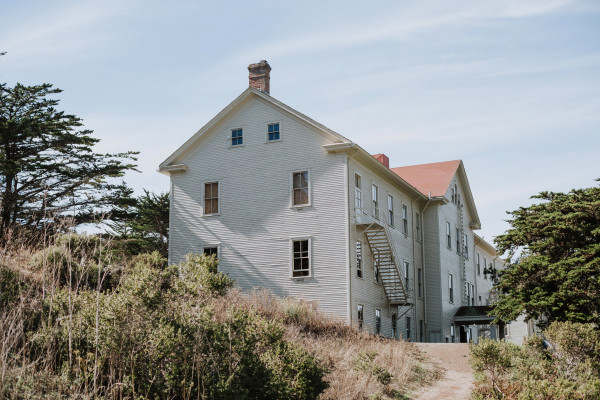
382 158
260 74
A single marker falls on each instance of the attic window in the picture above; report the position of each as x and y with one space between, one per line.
273 133
237 138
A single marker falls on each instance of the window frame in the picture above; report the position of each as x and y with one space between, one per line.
359 259
478 263
267 132
376 278
394 325
378 321
360 315
357 191
466 245
405 229
292 240
300 206
390 206
408 328
375 200
421 330
448 235
406 268
231 138
418 226
457 233
204 183
451 288
420 291
212 246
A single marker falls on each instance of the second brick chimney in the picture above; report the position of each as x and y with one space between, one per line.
260 74
382 158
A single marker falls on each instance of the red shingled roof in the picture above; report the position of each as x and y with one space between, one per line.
434 177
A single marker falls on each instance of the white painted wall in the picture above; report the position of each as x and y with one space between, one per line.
256 221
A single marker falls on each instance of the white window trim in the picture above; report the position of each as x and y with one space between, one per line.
375 265
267 131
360 321
419 224
219 203
218 246
362 260
229 137
420 295
391 222
451 282
310 259
375 211
407 219
300 206
362 200
448 234
406 272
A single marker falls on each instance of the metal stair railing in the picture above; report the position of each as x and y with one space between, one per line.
379 239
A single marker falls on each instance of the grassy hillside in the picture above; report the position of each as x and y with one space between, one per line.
79 319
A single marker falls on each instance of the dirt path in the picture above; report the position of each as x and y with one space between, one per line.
458 378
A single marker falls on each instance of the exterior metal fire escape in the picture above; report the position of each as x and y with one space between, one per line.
378 237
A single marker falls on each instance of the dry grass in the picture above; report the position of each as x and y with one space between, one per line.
361 366
342 347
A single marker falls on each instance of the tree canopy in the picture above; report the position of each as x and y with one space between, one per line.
142 222
553 268
48 166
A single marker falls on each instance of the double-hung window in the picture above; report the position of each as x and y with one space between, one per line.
484 267
420 282
448 236
210 251
357 192
472 294
360 315
418 226
405 219
394 326
451 287
408 323
391 210
376 267
375 198
300 188
478 264
406 275
377 321
359 273
457 240
273 133
237 137
300 258
466 245
211 198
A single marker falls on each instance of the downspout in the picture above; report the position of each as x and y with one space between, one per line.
348 246
415 277
423 261
475 265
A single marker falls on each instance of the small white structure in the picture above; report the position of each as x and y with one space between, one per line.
290 205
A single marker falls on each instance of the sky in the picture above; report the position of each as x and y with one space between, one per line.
510 87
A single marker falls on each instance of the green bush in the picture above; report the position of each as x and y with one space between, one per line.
567 369
164 332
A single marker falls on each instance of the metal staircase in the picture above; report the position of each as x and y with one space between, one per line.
463 260
378 238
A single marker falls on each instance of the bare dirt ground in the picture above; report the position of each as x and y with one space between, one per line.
457 381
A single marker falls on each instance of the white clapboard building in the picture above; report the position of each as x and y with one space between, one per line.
288 204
